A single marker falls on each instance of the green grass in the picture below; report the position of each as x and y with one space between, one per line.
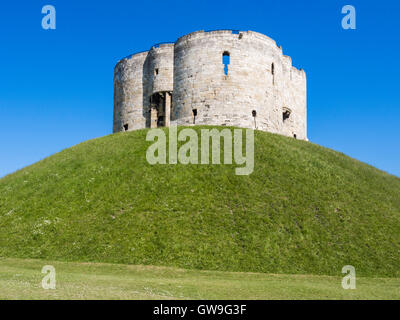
304 210
21 279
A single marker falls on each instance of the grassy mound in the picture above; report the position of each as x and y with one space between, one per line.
304 209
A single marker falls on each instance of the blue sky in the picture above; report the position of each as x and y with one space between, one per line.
56 86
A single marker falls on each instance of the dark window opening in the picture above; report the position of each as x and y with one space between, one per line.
155 71
295 136
225 61
194 115
157 110
285 115
273 73
254 114
126 127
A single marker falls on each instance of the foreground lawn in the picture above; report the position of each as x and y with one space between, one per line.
21 279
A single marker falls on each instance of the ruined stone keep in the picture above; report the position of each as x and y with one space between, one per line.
224 77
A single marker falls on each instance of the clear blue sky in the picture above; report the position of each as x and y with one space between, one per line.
56 86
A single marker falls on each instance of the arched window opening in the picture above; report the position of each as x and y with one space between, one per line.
285 115
225 61
286 112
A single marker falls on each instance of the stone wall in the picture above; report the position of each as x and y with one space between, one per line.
261 89
157 75
128 93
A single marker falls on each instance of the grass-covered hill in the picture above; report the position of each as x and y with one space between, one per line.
304 209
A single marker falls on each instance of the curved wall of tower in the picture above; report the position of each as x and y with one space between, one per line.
128 93
260 84
215 78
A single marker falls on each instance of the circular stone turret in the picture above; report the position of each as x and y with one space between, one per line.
227 78
128 93
159 68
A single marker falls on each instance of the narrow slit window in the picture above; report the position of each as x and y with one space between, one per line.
254 114
225 61
194 115
273 73
156 71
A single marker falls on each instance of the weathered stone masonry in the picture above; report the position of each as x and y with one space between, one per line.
214 78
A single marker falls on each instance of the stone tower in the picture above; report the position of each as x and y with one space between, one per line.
224 77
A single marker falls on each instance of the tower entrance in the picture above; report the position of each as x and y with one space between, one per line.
160 109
